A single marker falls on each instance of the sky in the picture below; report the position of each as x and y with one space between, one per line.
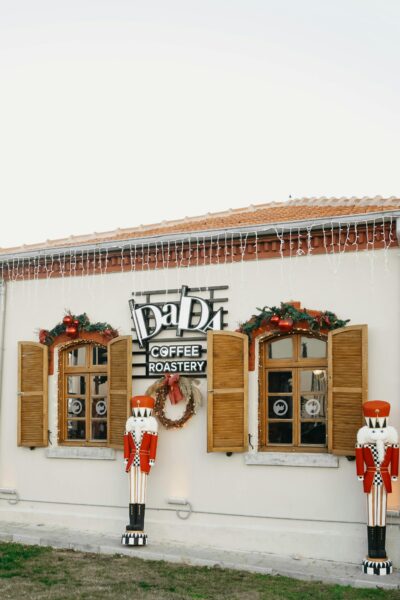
117 113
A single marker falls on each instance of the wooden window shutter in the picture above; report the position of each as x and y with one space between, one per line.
119 388
32 394
347 387
227 376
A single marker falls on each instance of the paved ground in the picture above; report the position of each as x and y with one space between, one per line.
271 564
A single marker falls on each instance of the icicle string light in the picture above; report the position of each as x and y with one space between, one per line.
309 241
334 238
300 251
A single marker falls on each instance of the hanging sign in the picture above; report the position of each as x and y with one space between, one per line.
150 319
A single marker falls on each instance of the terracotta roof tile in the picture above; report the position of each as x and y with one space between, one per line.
263 214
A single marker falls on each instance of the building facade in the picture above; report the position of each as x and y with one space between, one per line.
283 318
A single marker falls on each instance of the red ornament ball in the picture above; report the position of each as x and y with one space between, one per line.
286 324
274 320
72 331
43 336
67 320
76 322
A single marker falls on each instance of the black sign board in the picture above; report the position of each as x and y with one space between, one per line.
186 313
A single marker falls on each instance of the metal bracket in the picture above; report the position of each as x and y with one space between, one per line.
180 513
9 492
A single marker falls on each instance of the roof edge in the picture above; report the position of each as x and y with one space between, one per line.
279 227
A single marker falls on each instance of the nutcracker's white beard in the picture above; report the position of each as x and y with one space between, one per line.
379 437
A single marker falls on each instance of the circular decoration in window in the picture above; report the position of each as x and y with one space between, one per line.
280 407
101 408
76 407
312 407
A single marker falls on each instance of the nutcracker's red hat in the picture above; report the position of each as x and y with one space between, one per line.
376 408
142 402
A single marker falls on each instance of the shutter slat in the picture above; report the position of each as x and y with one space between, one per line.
227 391
120 388
32 394
348 386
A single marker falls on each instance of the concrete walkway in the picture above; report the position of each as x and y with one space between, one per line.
257 562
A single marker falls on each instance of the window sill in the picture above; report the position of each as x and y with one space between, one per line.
80 452
292 459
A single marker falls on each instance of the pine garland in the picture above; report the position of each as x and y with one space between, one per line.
47 336
323 320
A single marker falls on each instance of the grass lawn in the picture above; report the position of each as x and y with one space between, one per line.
38 573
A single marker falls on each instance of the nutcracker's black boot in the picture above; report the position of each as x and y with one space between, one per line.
381 535
134 535
133 518
372 542
140 516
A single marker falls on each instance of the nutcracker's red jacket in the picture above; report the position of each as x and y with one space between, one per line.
390 460
147 450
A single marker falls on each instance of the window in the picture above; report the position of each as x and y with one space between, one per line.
83 390
94 392
294 393
311 391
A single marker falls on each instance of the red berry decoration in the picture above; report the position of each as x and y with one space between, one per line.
286 324
67 320
274 320
76 322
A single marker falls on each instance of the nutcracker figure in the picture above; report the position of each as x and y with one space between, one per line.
377 460
140 445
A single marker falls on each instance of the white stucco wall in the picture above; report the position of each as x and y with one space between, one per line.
315 512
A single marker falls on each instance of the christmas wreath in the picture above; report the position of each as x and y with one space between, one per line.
72 325
177 389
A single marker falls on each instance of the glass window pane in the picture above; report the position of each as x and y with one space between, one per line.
99 430
279 433
312 348
280 407
76 407
99 356
99 407
77 357
313 380
76 430
76 384
280 381
313 407
313 433
99 385
281 348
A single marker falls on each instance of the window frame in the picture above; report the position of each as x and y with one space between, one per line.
63 371
299 363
